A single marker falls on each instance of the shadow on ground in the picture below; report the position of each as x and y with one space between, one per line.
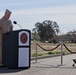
7 70
54 66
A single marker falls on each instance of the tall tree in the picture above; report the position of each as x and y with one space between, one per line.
46 30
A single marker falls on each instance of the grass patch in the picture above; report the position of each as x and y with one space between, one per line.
38 54
56 52
48 53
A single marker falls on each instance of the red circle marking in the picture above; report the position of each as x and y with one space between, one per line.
23 37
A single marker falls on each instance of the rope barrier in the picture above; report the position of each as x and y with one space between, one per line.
61 43
68 49
55 48
48 49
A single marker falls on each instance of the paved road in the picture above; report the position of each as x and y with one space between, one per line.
47 66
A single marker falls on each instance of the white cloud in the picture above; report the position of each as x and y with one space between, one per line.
63 15
47 10
26 2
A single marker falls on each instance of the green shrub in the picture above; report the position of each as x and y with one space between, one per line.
50 52
56 52
38 54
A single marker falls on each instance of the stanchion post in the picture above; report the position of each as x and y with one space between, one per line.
61 52
36 51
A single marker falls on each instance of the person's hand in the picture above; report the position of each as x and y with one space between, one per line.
11 28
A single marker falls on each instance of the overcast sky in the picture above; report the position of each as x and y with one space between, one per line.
29 12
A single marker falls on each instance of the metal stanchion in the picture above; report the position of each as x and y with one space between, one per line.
36 52
61 53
